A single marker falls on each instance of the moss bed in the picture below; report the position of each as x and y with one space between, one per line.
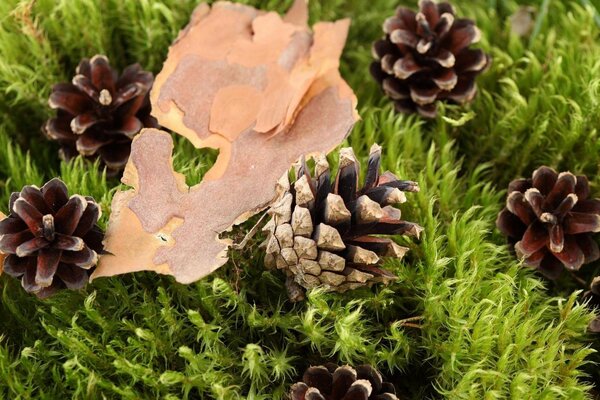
488 328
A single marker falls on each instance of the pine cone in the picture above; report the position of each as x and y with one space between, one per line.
330 382
549 220
51 239
320 233
100 112
425 57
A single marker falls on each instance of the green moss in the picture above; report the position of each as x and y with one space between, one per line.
489 330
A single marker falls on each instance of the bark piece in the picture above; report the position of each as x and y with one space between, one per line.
261 89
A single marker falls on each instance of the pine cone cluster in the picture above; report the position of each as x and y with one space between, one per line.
321 233
425 57
100 112
51 239
330 382
549 219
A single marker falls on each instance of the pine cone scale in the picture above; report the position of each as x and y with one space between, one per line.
102 75
88 219
510 225
34 197
57 129
471 60
47 264
31 246
445 80
73 278
11 226
89 144
571 255
29 215
10 242
535 238
55 194
68 98
577 222
130 127
587 206
69 215
85 85
115 156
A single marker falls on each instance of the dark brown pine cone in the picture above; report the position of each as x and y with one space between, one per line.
330 382
100 112
549 219
51 239
425 57
321 232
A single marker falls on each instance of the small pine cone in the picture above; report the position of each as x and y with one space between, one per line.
51 239
425 57
321 232
330 382
100 112
549 220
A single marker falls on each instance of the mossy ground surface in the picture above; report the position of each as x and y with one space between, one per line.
490 329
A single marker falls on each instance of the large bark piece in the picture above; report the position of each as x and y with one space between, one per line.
261 89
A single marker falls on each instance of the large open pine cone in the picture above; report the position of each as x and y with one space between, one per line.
425 57
321 232
550 219
51 239
100 112
330 382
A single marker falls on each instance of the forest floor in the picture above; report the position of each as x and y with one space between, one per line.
490 328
